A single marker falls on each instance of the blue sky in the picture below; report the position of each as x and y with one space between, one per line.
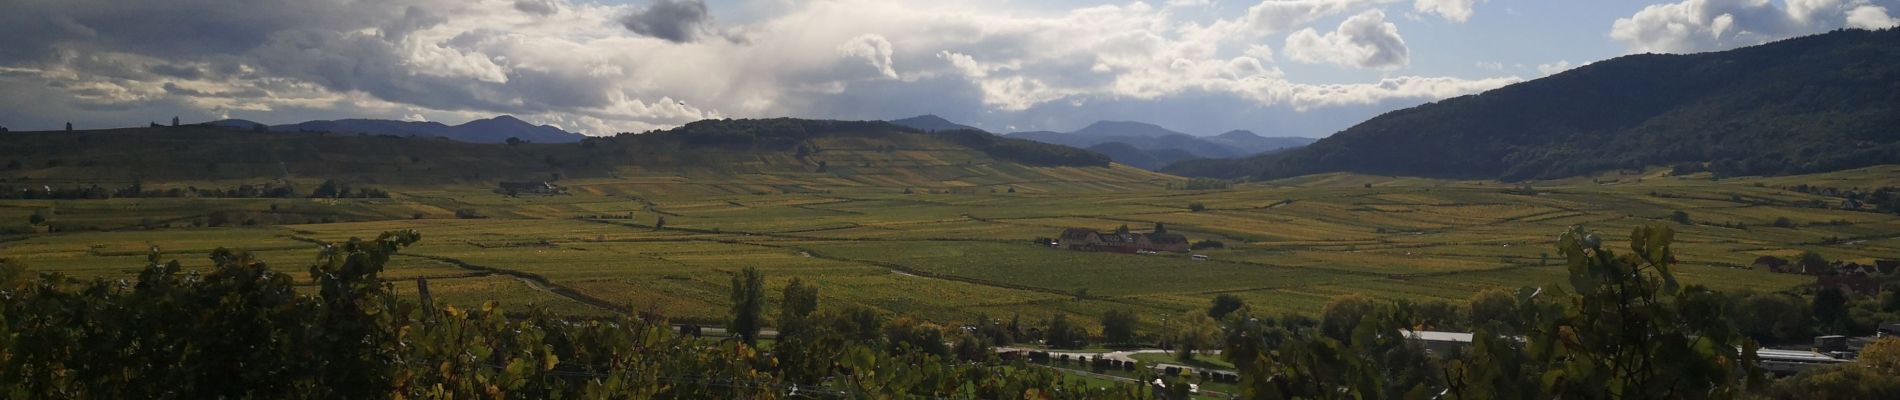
1277 67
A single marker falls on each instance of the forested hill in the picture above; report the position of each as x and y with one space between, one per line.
713 148
1811 104
790 134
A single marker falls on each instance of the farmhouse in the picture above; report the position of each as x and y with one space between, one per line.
1121 241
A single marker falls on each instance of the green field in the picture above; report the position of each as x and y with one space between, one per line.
960 243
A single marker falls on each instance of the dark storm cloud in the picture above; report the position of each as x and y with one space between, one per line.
677 21
176 71
343 62
178 28
247 93
338 45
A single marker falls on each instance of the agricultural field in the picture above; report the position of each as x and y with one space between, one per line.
954 238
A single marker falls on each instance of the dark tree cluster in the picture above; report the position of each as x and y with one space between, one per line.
332 189
136 190
1881 198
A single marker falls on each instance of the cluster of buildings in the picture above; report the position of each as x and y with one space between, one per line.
1120 241
1850 277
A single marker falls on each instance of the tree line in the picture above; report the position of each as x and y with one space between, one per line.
329 189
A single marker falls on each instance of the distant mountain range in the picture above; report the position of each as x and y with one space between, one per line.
1811 104
1137 144
492 130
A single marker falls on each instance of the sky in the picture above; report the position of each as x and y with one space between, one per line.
1276 67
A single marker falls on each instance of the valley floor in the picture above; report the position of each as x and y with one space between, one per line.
949 253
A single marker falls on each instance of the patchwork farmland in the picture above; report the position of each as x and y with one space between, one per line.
948 249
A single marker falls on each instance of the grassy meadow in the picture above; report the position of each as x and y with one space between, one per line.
959 243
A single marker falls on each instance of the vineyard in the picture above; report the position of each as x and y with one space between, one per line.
945 248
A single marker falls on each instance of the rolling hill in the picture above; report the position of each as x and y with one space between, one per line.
789 154
1249 143
1819 103
492 130
1141 158
932 123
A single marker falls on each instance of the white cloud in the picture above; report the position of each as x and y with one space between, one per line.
1870 17
1453 10
1260 52
1554 68
874 50
1704 25
1366 41
1280 15
1491 65
1307 96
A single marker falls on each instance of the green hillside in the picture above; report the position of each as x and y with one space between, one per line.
1813 104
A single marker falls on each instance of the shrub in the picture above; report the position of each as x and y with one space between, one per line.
1784 222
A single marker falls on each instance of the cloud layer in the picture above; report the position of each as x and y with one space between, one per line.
1705 25
609 68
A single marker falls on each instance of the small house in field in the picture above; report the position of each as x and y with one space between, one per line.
1771 263
1851 204
1078 239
